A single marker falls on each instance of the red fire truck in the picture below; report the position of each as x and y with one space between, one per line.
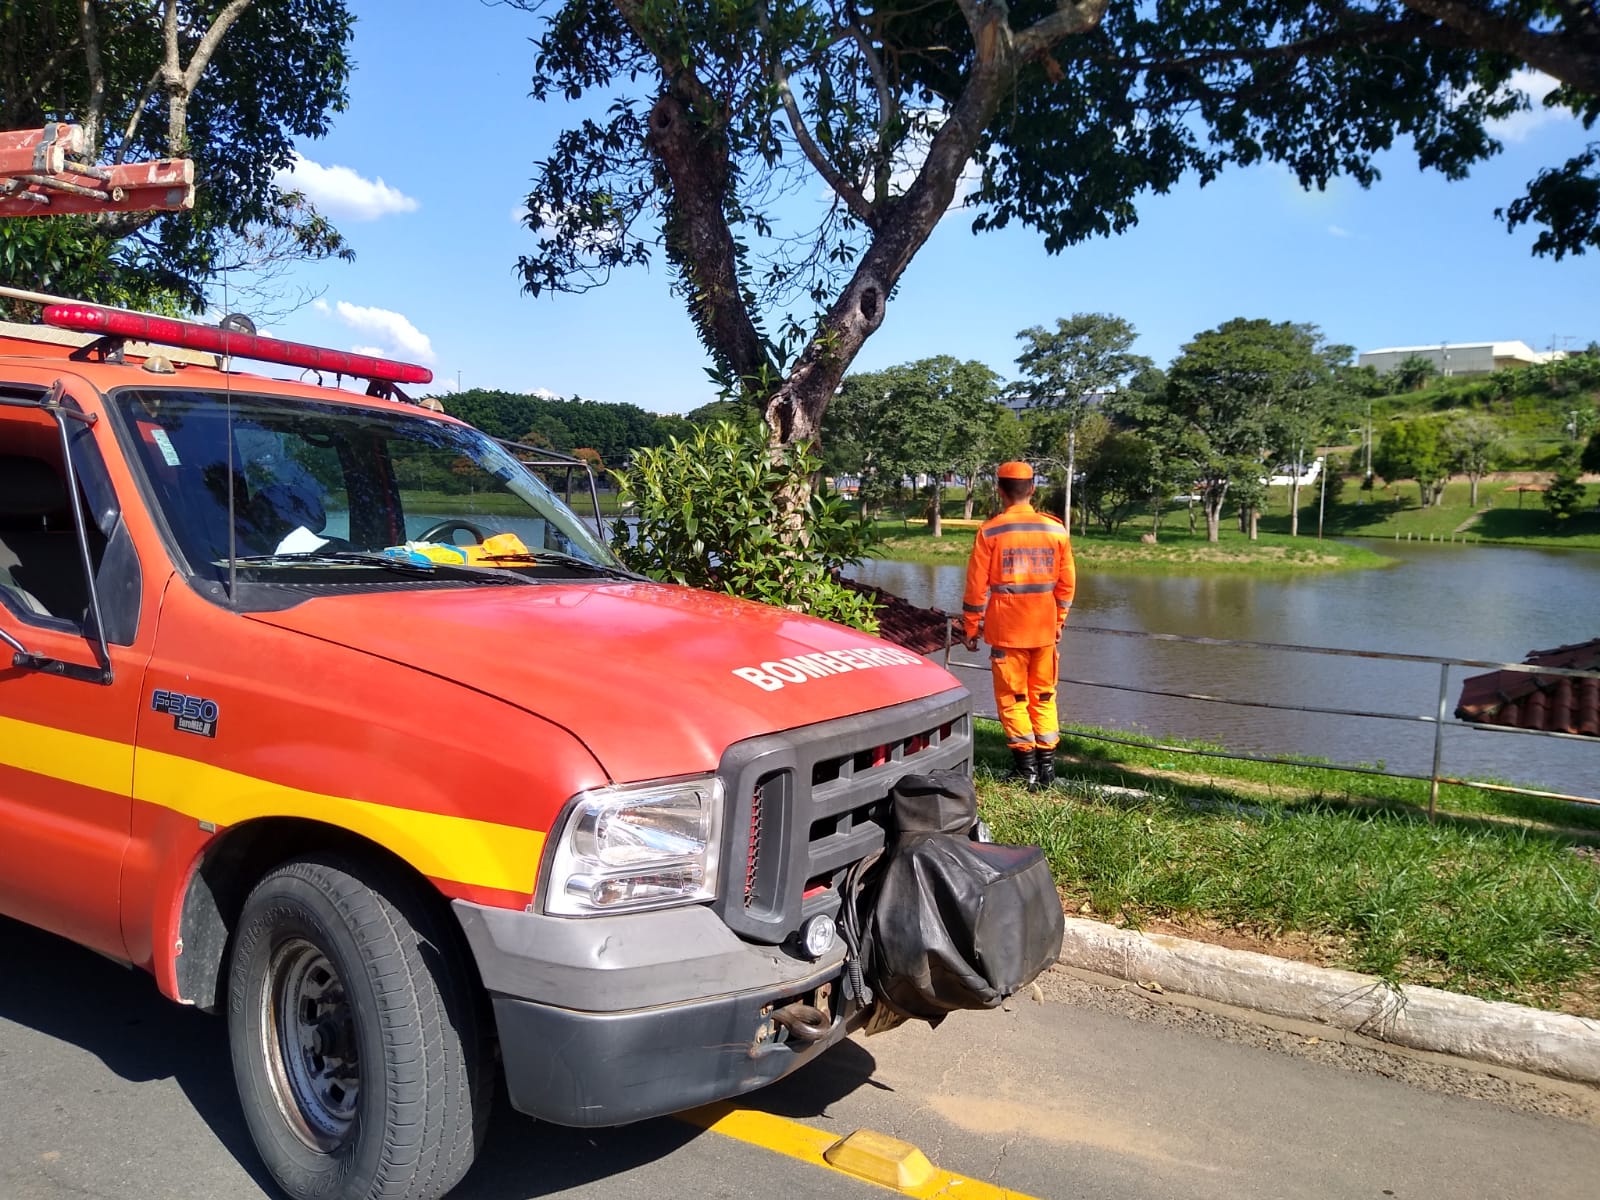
323 709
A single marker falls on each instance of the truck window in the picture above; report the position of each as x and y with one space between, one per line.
263 476
41 569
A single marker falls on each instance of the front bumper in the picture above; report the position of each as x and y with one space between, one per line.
608 1020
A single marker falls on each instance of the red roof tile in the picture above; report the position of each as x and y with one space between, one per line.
1524 700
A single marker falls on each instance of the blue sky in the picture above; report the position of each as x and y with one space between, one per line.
426 169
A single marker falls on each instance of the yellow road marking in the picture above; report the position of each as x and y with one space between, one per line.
795 1140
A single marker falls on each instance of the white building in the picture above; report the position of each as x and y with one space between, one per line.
1459 358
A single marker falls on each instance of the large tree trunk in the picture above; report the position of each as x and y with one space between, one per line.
686 139
1294 504
1213 499
936 506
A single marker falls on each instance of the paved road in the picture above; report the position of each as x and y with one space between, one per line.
1084 1092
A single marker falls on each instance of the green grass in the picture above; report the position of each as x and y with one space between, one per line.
1177 550
1344 869
1502 515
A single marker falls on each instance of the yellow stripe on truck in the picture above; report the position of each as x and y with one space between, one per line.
89 762
480 853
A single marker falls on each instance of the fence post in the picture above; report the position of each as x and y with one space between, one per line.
1438 736
949 633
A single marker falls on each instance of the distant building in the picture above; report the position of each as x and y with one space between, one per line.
1020 405
1460 358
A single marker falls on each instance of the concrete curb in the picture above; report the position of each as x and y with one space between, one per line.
1423 1018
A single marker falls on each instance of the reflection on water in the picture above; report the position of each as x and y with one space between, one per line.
1445 600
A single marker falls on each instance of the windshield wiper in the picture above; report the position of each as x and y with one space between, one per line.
366 558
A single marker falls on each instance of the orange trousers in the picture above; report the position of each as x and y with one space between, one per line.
1025 694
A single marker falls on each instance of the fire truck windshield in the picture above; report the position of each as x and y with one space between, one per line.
316 480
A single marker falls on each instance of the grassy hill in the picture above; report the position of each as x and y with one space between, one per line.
1536 406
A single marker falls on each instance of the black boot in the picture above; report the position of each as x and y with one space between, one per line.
1047 767
1026 769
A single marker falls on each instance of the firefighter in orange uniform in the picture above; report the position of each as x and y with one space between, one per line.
1020 581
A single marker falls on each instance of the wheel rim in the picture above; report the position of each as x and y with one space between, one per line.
308 1036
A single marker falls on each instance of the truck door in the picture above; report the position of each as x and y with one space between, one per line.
69 689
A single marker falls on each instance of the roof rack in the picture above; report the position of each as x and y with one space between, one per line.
45 172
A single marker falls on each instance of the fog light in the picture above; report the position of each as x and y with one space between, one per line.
818 936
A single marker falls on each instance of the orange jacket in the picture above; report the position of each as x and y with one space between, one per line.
1020 579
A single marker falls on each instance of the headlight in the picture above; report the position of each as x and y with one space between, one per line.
642 846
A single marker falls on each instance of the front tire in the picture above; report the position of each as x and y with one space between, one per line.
357 1043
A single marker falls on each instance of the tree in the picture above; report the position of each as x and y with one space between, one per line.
707 512
1471 445
1121 475
1564 497
724 117
1414 449
919 420
1004 440
1413 374
1590 460
1224 391
229 83
1067 369
1303 409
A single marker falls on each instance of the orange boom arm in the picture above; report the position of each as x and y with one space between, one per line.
43 173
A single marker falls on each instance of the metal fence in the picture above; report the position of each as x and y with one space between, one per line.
1436 721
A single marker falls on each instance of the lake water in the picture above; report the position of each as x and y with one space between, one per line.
1445 600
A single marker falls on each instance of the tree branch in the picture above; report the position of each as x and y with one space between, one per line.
89 30
1068 19
842 187
1572 55
201 58
138 111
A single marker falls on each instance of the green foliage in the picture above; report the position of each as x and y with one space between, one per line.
68 256
276 76
1414 449
1120 475
1564 497
1084 355
698 122
1412 374
923 418
1233 393
711 515
612 430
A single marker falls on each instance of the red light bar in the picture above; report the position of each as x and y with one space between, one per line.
91 318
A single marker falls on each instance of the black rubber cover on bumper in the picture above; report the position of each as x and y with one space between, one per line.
582 1068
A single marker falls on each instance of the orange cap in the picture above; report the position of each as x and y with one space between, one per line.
1016 470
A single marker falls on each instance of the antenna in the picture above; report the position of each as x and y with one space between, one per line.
233 515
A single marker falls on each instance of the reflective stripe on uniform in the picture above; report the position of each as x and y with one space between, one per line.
1018 589
1023 527
973 608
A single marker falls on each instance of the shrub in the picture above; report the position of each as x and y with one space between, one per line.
711 514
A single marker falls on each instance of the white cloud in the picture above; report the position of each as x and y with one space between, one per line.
1339 231
1536 85
340 192
395 333
320 305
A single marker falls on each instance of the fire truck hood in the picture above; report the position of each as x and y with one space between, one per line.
656 680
